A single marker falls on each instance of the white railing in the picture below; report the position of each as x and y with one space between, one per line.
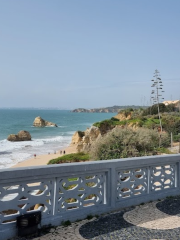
74 190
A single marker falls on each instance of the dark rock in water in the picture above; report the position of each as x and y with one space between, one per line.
21 136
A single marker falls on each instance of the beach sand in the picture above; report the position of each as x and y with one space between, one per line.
40 160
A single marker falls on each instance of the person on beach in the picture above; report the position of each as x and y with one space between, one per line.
34 155
64 152
60 152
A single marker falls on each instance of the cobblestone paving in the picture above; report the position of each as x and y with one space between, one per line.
149 216
144 222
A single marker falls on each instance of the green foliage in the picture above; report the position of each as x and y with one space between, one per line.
123 143
176 138
163 150
106 125
162 108
89 217
66 223
73 157
81 134
126 111
114 119
170 122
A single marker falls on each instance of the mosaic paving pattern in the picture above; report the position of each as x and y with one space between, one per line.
124 224
143 222
148 216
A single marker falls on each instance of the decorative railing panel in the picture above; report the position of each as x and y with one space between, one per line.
79 192
84 188
132 182
25 197
162 177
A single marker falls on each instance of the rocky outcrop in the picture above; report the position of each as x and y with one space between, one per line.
85 139
13 138
77 137
39 122
21 136
123 116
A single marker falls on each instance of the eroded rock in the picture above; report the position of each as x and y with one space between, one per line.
39 122
21 136
85 139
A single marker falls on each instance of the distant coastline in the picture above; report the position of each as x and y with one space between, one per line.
114 109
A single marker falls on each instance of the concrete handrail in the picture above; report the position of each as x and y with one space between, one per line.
84 188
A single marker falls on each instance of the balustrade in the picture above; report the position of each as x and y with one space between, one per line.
75 190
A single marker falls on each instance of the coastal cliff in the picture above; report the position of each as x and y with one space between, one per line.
114 109
128 119
84 139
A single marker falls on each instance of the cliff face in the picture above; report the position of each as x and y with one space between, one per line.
85 139
122 116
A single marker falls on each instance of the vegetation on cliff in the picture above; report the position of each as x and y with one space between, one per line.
142 118
131 133
73 157
122 143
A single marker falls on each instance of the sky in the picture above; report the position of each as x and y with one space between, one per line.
87 53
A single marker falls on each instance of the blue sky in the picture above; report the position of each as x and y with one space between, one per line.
87 53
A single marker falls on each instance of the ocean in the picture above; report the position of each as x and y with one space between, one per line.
44 140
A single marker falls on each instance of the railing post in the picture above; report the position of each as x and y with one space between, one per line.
177 175
54 197
149 180
113 187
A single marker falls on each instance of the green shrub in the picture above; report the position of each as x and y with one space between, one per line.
114 119
105 125
163 150
89 217
176 138
81 134
126 111
66 223
123 143
154 109
73 157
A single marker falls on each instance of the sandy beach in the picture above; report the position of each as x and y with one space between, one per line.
44 159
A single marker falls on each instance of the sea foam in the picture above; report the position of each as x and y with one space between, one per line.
13 152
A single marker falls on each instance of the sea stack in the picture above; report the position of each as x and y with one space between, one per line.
21 136
39 122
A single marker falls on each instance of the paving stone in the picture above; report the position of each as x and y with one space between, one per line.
151 221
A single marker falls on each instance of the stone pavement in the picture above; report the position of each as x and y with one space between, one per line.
153 220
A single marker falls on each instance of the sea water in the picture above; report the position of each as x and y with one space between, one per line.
44 139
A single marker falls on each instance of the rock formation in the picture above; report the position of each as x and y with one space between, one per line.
39 122
77 137
21 136
122 116
85 139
